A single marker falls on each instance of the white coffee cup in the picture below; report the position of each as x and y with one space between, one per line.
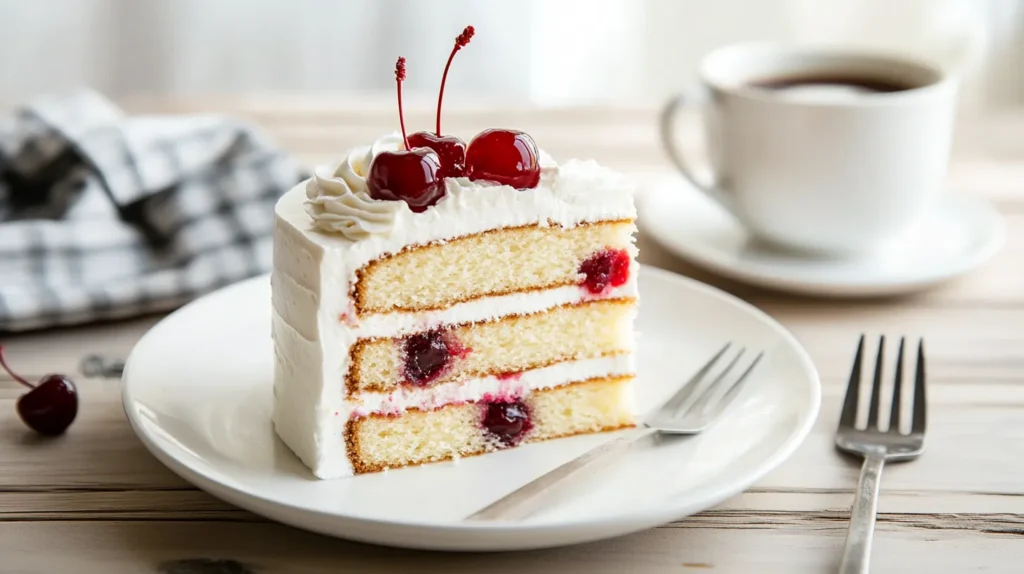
820 166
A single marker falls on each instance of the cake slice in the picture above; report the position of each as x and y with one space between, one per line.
428 306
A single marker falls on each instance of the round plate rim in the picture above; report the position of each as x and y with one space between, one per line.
724 266
619 524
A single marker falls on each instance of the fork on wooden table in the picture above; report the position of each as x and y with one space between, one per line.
902 439
689 411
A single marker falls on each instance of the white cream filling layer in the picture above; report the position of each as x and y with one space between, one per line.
489 388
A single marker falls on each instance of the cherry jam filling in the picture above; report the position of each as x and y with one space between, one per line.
507 421
605 269
429 355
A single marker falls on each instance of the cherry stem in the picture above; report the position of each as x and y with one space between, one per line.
399 77
13 375
460 41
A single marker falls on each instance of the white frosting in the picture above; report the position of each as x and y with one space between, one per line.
338 200
313 321
482 389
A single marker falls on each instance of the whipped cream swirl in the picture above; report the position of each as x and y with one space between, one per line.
339 202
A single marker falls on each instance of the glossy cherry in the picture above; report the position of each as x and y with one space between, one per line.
508 157
410 175
52 404
507 421
605 269
450 149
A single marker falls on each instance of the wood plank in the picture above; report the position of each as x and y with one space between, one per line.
733 544
101 503
98 452
186 503
623 136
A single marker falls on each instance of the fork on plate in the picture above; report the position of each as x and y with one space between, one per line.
689 411
901 440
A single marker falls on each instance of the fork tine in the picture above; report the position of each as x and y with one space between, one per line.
848 418
734 390
708 391
687 390
897 393
876 386
701 389
919 396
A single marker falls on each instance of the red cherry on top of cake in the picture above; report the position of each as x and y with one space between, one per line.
412 175
508 157
416 174
451 149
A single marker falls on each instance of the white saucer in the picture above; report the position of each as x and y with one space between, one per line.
961 233
197 390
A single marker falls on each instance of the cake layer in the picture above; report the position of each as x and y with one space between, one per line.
496 262
378 442
506 345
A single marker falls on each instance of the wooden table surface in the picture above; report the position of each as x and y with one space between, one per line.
96 501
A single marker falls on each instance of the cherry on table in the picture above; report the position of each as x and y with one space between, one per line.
410 175
52 404
507 157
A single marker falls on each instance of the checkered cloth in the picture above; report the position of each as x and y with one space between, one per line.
105 216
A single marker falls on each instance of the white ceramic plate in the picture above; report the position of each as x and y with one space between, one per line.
961 233
197 390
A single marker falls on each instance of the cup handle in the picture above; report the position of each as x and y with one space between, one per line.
693 98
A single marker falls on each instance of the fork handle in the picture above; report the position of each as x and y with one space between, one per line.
857 554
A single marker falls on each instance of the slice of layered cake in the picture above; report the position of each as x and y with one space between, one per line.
435 301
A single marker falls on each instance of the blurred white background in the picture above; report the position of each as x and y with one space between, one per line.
536 51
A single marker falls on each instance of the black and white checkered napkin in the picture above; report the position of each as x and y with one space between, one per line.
103 215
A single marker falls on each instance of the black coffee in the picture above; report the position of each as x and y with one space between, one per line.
822 83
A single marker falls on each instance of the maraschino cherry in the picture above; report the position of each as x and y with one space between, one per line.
508 157
450 149
50 407
412 175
